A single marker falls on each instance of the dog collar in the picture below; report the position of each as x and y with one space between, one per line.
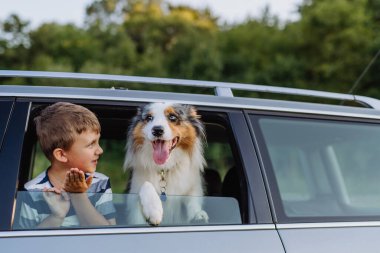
163 184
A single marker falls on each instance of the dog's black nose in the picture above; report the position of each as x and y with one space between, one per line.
157 131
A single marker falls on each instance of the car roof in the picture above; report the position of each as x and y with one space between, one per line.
223 94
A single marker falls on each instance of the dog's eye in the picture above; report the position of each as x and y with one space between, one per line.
173 118
149 118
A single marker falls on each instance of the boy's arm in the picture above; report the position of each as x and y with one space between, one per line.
51 221
87 214
59 205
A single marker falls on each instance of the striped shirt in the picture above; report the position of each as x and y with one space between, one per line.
33 208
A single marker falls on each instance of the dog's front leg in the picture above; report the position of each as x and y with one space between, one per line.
151 204
195 212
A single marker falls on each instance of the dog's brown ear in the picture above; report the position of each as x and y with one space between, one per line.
135 120
194 119
139 113
193 112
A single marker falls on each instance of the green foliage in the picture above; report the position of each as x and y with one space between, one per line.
252 51
111 164
335 42
203 59
65 44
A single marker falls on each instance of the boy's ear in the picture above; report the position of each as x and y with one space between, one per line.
60 155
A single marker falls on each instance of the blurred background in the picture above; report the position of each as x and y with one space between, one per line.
312 44
316 44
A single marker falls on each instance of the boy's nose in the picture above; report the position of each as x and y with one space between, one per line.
99 150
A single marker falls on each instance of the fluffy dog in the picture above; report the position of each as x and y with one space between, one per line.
165 154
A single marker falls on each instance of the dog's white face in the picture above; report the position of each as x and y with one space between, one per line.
161 128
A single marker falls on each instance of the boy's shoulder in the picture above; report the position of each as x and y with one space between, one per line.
38 183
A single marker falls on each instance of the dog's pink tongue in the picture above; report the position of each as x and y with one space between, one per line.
160 151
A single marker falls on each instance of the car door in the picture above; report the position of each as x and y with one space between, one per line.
254 233
322 175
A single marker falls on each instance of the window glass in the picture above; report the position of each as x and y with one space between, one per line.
324 168
33 211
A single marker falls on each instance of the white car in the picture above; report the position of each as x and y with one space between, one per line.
282 176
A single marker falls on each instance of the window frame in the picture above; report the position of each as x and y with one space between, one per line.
6 107
231 116
10 159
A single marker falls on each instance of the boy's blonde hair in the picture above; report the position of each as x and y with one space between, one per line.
58 125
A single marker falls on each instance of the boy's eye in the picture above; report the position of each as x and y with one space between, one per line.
173 118
92 144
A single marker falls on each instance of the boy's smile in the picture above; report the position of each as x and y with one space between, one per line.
85 152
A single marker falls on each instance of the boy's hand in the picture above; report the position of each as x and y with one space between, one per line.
75 181
58 201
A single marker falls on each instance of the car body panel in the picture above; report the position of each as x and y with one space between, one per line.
334 237
238 239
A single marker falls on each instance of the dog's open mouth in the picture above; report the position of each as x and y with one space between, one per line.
162 149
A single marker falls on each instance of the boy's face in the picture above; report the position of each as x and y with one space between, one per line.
85 152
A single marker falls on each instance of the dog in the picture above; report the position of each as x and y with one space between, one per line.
165 153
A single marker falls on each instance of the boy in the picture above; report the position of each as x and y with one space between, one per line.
69 137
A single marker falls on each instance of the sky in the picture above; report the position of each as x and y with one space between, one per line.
73 11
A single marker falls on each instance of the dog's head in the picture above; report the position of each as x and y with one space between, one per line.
165 127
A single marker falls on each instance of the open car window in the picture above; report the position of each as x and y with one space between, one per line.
225 195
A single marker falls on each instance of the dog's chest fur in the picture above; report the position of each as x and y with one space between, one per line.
179 178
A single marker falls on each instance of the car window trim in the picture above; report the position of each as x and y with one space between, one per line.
136 230
272 188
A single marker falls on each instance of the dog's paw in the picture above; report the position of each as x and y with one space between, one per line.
151 204
201 217
154 216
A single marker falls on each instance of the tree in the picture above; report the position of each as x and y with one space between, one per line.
195 55
369 84
14 42
334 40
258 51
63 43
